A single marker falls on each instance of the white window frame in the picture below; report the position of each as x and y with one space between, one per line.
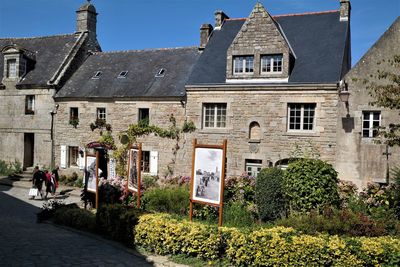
101 113
272 60
368 116
302 117
252 168
214 115
241 64
11 66
30 104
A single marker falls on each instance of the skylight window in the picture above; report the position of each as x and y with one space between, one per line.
97 75
160 73
123 74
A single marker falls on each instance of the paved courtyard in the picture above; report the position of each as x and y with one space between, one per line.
23 242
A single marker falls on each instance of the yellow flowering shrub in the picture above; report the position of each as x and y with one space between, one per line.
277 246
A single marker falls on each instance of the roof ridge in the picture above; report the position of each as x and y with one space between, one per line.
295 14
37 37
146 50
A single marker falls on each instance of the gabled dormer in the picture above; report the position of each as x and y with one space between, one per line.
17 62
260 51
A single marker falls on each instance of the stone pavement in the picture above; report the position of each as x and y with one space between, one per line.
24 242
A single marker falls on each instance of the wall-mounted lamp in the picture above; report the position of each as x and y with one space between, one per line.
344 95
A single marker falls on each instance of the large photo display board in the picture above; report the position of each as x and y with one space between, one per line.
207 177
134 170
91 173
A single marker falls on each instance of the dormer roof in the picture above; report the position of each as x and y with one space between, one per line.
48 52
318 40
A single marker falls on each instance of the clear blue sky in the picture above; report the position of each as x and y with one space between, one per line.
141 24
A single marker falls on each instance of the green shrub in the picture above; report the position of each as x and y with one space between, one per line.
149 181
236 214
334 222
164 235
174 199
311 184
270 197
396 189
48 209
240 188
77 218
11 168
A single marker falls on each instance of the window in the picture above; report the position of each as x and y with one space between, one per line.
97 75
144 116
214 115
145 161
253 167
123 74
272 63
301 117
30 104
11 68
160 73
73 114
371 122
243 64
73 156
101 113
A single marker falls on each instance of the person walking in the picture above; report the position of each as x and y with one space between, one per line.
37 180
48 183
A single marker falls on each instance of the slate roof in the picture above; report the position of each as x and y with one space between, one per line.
142 66
317 39
50 52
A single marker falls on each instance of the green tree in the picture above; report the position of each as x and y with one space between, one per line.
386 93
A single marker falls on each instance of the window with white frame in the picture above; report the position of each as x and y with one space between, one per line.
214 115
11 68
253 167
271 64
371 122
73 153
145 161
301 116
30 104
243 64
101 113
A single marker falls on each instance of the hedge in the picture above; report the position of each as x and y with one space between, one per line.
163 234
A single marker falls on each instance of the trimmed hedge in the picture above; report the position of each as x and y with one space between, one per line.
75 217
163 234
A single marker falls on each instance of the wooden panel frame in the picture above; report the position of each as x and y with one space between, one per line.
193 198
96 156
138 148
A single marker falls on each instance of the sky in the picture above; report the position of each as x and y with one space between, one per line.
144 24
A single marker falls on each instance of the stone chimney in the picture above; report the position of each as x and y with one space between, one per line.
345 8
220 16
86 18
205 31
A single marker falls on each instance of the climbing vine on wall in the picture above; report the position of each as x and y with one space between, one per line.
142 128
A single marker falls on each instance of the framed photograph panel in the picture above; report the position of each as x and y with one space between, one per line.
134 170
207 178
91 173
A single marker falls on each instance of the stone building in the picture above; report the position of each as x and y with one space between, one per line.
31 72
267 84
358 157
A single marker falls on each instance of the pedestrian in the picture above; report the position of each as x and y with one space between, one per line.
37 180
48 183
55 173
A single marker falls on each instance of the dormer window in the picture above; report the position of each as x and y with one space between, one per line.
97 75
271 63
243 64
11 68
160 73
123 74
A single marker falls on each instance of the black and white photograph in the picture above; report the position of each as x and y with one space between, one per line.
207 175
91 173
133 170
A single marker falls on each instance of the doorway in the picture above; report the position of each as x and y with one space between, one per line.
29 144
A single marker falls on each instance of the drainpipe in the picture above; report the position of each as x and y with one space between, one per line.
52 113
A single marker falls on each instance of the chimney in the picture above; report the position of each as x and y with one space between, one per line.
86 18
220 16
205 31
345 8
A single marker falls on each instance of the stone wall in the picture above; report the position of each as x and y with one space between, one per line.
360 159
269 107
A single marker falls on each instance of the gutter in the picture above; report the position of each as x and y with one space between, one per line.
243 87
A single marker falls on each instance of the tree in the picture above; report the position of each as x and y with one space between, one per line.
387 94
